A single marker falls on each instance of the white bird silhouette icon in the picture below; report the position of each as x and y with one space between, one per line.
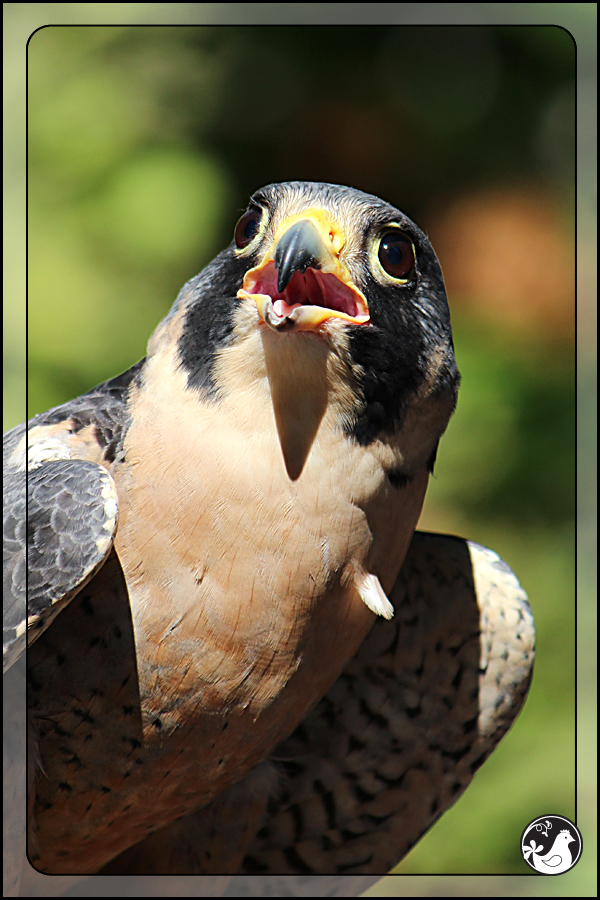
557 860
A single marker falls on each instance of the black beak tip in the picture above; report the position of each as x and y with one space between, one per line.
283 278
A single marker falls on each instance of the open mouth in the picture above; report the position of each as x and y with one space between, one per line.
309 299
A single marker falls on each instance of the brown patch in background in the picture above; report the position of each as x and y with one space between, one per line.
509 253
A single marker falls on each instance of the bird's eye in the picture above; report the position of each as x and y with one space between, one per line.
247 227
397 254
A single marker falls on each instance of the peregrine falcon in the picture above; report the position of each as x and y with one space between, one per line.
229 668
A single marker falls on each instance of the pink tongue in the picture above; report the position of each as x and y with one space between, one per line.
284 309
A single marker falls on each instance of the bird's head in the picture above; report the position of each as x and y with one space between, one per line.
566 836
321 271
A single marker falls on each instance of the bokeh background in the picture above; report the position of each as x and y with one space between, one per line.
144 145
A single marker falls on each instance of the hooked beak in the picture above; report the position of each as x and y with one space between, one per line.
301 282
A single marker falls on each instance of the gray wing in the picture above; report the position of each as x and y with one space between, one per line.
59 521
60 513
59 524
392 745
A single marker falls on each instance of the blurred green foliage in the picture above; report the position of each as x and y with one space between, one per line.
144 145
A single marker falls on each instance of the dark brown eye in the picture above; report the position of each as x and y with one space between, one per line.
396 254
247 227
